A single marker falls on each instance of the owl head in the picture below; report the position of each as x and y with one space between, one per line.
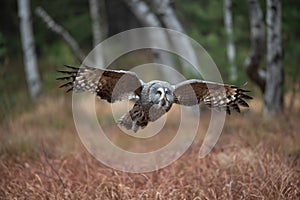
161 94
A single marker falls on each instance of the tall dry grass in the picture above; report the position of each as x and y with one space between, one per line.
42 158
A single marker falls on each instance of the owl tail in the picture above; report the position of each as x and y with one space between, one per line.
134 119
127 122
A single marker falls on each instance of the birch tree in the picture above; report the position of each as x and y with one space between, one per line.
169 19
97 31
143 13
30 62
228 23
274 77
270 81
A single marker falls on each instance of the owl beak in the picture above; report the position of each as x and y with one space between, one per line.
165 99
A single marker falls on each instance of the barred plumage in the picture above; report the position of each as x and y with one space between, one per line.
154 98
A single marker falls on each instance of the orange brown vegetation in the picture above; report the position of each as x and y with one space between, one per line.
42 158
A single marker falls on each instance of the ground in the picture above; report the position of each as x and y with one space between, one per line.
43 158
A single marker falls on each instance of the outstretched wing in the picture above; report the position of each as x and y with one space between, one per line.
214 95
111 85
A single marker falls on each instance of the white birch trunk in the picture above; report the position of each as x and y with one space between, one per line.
97 32
143 13
274 80
170 20
228 23
30 62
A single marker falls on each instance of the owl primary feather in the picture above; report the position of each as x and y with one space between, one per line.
153 99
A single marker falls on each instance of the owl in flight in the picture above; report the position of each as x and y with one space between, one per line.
152 99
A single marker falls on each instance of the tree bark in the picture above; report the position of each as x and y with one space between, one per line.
228 23
97 32
56 28
257 49
270 81
168 17
142 11
30 62
273 96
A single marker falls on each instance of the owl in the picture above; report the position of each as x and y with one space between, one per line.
152 99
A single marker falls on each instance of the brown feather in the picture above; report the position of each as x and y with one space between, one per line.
110 85
213 95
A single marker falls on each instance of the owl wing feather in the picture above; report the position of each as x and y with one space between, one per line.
111 85
214 95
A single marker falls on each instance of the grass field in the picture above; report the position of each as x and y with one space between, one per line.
43 158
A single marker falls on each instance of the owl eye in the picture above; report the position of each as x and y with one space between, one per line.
158 93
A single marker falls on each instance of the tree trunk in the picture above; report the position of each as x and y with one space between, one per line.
228 23
142 11
32 75
97 32
257 49
56 28
169 19
270 81
273 96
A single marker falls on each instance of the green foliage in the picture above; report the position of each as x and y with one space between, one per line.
57 55
10 27
52 51
3 48
290 38
72 15
14 97
203 21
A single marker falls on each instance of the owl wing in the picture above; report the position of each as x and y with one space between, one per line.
111 85
214 95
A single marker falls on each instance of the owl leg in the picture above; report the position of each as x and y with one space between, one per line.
134 119
127 122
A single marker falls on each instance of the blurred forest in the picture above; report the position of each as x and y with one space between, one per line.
202 20
41 155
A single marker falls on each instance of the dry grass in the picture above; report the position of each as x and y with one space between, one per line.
42 158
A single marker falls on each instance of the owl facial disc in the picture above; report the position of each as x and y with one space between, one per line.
162 94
